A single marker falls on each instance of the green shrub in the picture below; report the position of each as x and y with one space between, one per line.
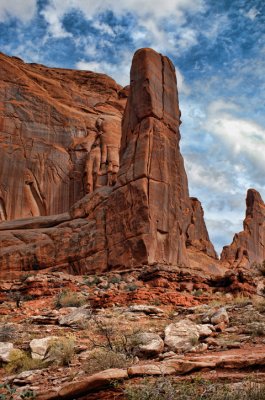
68 298
131 287
7 392
115 279
28 394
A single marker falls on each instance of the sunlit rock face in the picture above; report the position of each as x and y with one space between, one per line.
127 201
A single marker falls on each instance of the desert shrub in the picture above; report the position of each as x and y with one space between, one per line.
164 389
62 350
131 287
28 394
8 333
68 298
194 340
160 389
8 392
20 361
258 330
115 279
241 300
259 306
91 280
197 293
260 267
102 358
17 297
156 302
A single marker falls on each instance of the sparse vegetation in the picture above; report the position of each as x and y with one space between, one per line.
131 287
198 292
115 279
8 333
194 341
241 299
260 267
8 392
20 361
165 389
68 298
91 280
101 359
258 330
62 350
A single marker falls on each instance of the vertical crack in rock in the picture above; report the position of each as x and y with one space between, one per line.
3 215
163 86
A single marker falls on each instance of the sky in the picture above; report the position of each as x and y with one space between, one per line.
218 49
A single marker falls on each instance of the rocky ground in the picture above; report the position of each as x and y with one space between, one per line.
131 335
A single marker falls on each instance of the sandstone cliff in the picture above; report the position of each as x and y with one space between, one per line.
59 130
248 246
137 214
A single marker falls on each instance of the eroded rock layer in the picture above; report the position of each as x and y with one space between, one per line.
248 246
142 213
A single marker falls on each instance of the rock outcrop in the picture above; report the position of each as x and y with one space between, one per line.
138 214
60 134
248 246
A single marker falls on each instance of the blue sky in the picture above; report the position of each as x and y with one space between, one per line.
218 48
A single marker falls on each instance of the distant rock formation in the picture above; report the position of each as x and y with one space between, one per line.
248 246
137 214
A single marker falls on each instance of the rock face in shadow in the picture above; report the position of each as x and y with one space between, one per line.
60 134
142 213
248 246
197 234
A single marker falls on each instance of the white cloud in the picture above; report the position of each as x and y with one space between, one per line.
55 25
241 137
252 13
121 72
150 16
23 10
153 8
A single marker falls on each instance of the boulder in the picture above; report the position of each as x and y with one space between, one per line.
5 349
76 317
39 347
219 316
182 336
147 344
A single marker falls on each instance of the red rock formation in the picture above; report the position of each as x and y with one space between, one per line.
50 119
197 234
248 246
147 217
152 191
